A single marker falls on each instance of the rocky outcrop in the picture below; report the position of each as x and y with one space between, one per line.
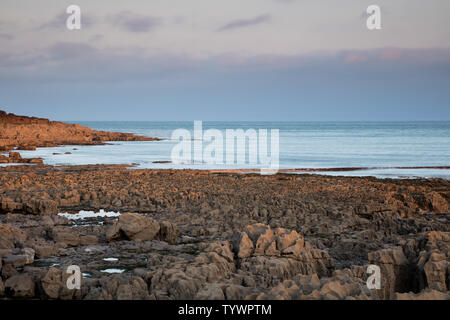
276 254
197 235
27 133
15 157
394 270
433 262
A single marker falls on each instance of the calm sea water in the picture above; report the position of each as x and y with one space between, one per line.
302 145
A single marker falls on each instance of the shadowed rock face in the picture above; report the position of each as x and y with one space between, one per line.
27 133
193 234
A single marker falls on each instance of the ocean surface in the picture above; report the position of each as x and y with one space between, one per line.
379 147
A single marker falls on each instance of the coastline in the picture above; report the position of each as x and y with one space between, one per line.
215 234
29 133
191 234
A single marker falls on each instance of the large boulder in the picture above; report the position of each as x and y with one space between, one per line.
41 206
54 285
20 286
133 226
9 235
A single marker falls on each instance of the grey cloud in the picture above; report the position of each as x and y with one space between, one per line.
6 36
242 23
134 22
68 50
81 62
59 22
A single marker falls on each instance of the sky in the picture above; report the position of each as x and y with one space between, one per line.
253 60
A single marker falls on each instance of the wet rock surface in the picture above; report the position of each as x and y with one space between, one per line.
197 235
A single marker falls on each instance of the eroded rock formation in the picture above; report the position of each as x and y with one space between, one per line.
197 235
27 133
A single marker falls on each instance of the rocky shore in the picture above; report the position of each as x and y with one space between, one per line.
184 234
28 133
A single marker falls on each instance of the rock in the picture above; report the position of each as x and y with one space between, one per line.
254 231
236 292
222 248
34 160
88 239
8 205
31 131
9 235
427 294
66 235
394 270
242 244
210 292
334 291
17 261
308 283
263 242
54 284
15 155
287 290
2 288
124 292
168 232
41 206
255 249
294 250
133 226
20 286
437 202
286 239
8 271
43 251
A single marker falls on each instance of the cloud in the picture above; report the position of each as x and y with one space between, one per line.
59 22
6 36
134 22
68 50
77 61
242 23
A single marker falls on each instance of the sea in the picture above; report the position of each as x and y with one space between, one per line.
380 149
